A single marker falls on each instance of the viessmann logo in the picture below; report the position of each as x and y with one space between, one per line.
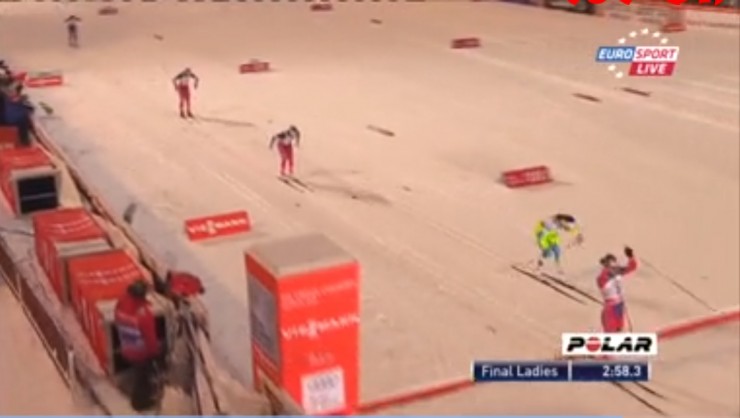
214 227
217 225
313 328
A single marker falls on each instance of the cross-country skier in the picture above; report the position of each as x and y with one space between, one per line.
72 33
614 313
285 141
547 234
182 86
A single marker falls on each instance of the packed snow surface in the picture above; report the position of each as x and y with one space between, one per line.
423 210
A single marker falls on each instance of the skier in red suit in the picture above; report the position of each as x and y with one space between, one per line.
285 141
182 86
614 313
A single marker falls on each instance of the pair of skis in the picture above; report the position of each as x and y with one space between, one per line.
623 386
558 285
296 183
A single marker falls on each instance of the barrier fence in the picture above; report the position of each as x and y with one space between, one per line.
52 338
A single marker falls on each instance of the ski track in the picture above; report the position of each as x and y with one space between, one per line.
438 238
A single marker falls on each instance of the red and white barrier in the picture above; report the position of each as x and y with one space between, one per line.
465 43
529 176
254 66
218 226
321 7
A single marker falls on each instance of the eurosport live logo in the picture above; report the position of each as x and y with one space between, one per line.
645 60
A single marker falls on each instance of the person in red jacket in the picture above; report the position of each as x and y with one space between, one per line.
614 313
286 140
182 83
137 332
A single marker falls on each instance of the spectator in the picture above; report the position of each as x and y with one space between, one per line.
18 112
136 327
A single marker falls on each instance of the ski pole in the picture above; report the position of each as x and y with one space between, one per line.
629 319
678 285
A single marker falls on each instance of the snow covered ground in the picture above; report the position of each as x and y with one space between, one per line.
433 228
30 383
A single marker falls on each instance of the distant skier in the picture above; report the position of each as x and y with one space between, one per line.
614 313
547 234
285 141
182 86
72 31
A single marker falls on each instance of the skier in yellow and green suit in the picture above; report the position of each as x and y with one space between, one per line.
547 234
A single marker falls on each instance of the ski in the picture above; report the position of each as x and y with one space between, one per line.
571 287
547 283
291 184
639 398
301 183
650 390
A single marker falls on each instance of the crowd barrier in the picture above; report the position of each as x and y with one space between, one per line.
51 337
21 277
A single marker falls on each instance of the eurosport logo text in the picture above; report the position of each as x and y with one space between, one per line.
644 60
622 344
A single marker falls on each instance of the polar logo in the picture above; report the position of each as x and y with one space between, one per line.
613 345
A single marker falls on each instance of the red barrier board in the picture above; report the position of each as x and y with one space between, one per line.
217 226
460 43
44 79
61 235
321 7
254 67
527 176
15 159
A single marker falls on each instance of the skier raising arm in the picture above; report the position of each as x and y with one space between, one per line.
181 82
614 312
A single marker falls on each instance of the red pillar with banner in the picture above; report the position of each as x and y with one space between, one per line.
305 324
